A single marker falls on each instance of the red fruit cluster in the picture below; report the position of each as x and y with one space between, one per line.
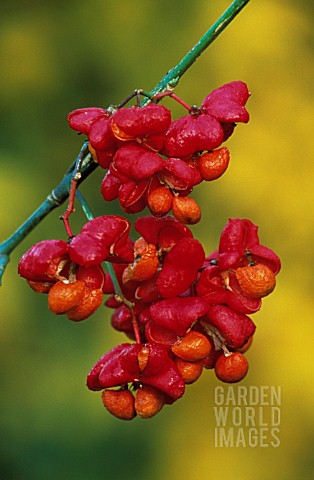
154 161
186 311
71 272
190 309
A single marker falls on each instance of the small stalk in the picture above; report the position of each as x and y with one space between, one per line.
76 176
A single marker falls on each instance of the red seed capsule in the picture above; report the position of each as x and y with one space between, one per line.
231 368
190 371
62 297
44 261
119 403
256 281
87 306
145 265
148 401
160 201
186 210
213 164
192 347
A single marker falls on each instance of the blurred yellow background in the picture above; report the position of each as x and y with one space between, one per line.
58 56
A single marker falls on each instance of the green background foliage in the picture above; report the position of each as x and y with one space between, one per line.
58 56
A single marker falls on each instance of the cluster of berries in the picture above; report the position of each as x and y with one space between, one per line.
71 272
154 161
188 311
183 310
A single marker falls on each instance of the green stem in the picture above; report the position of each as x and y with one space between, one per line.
61 192
85 207
171 79
54 200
